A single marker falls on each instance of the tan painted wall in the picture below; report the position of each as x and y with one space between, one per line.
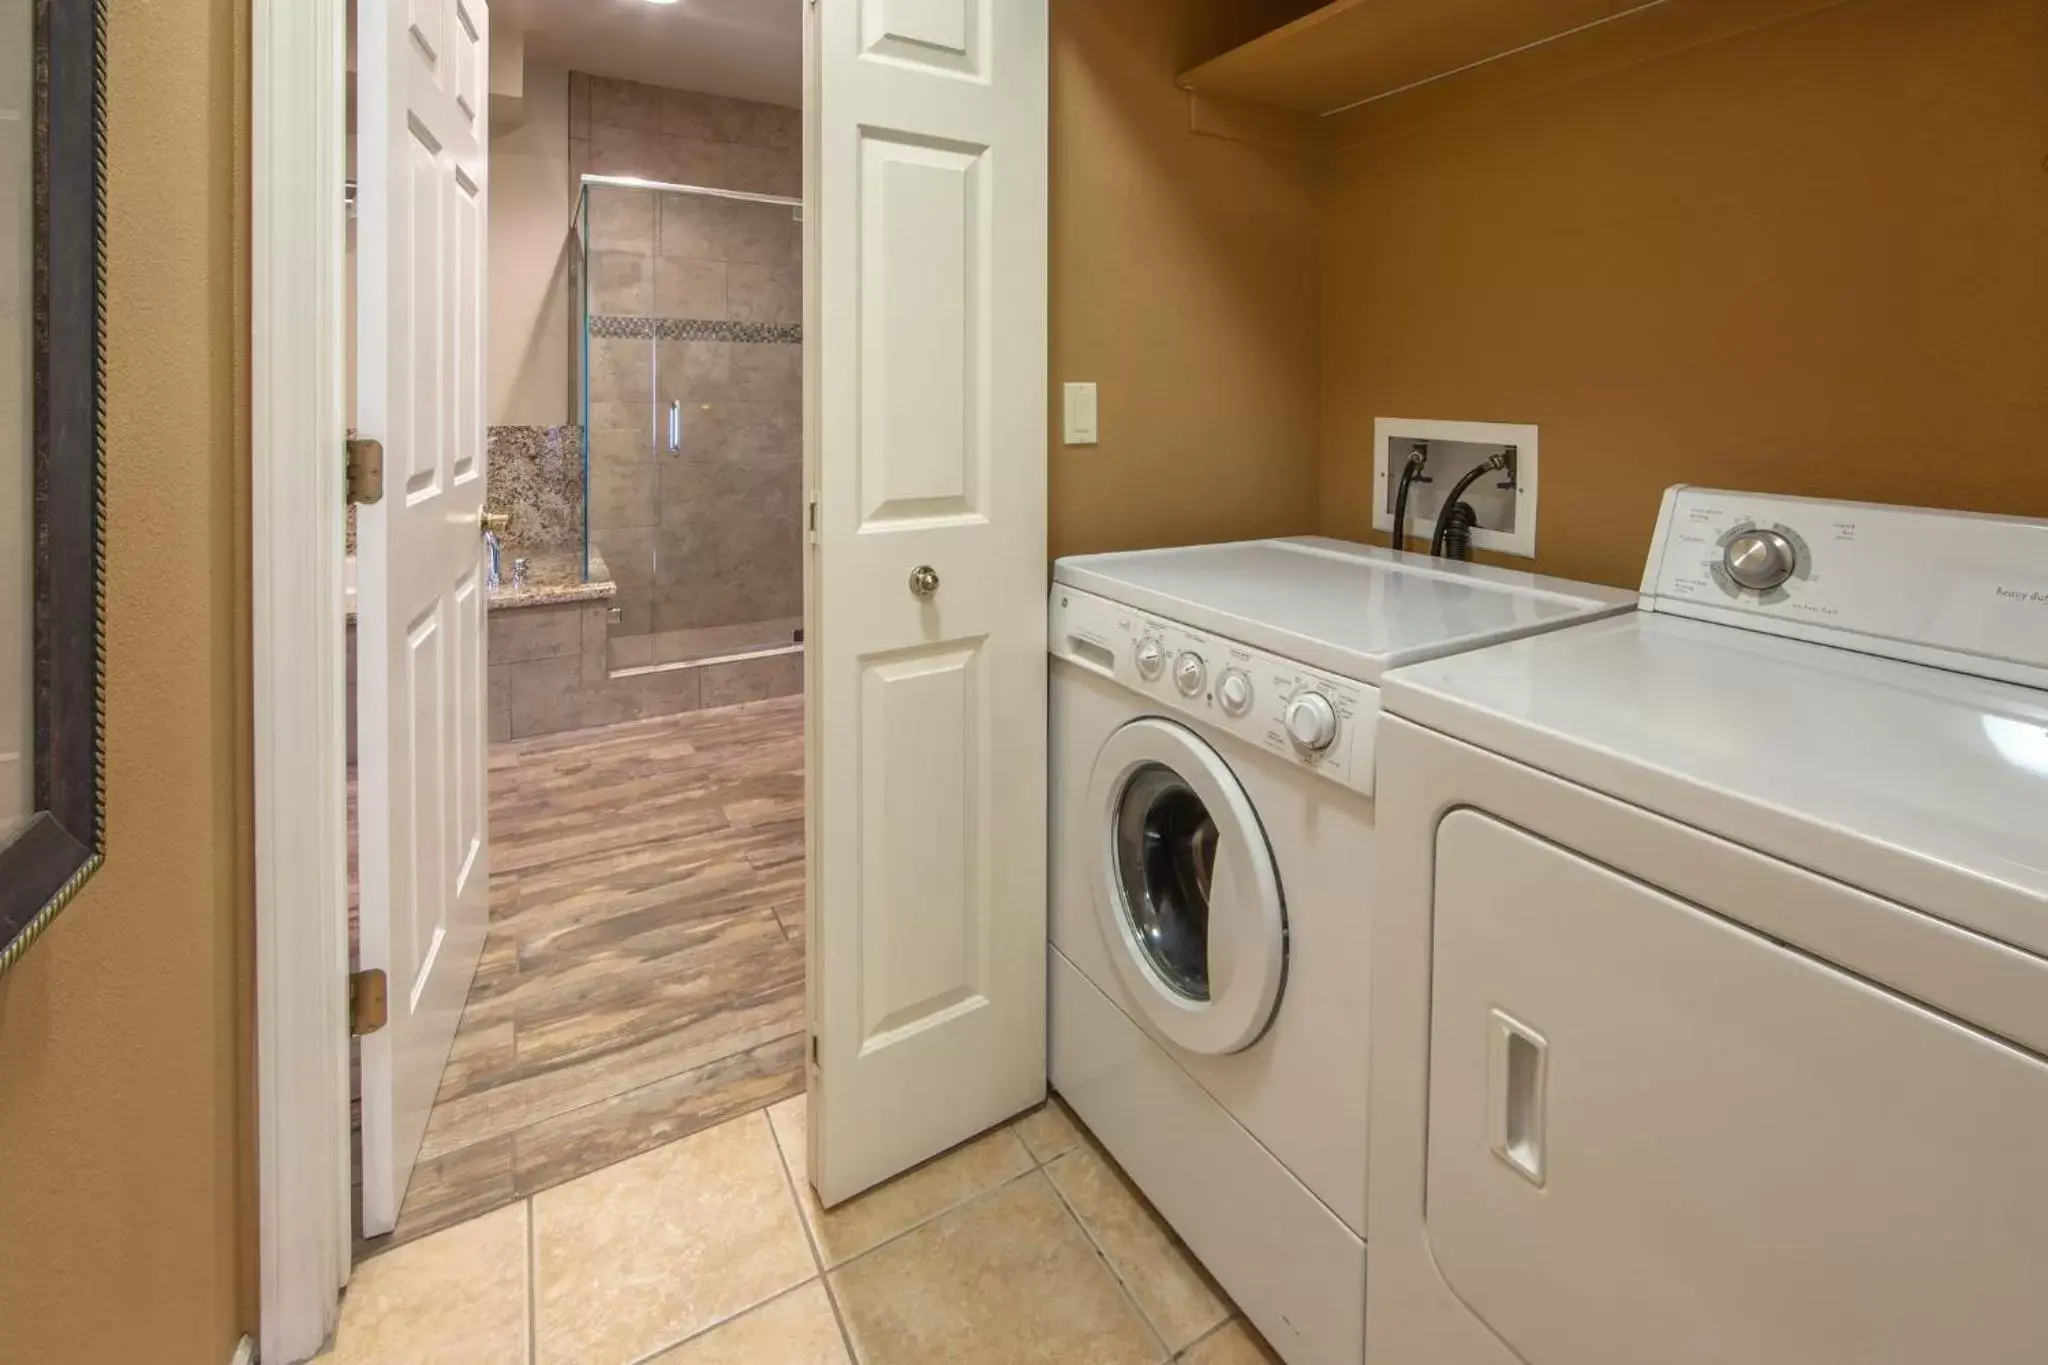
531 204
1807 259
121 1109
1184 283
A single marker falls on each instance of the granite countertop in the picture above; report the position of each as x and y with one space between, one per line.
553 577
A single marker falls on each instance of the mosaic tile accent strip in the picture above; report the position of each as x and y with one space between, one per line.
619 326
536 474
622 328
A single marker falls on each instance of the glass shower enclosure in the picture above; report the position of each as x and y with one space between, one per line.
688 355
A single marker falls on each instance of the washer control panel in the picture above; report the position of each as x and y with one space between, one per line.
1321 722
1954 589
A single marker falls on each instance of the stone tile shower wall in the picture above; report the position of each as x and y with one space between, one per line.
681 137
696 301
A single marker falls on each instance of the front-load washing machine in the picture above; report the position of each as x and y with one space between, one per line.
1710 965
1213 724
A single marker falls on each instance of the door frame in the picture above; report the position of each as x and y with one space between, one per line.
299 60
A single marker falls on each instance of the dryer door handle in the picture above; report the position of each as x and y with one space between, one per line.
1518 1082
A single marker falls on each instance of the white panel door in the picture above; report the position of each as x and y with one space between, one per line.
926 182
420 586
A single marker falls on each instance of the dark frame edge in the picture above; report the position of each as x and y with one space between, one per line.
48 860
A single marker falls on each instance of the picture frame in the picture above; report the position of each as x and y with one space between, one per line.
48 856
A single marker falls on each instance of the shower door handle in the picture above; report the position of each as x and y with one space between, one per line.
675 426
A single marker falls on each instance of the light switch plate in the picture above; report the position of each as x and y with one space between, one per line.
1079 422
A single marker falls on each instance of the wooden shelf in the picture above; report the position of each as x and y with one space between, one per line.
1352 51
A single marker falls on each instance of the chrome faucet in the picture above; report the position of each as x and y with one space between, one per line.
495 550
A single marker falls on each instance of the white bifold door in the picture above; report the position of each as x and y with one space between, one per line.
421 76
926 396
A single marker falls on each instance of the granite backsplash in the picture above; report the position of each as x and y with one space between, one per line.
536 474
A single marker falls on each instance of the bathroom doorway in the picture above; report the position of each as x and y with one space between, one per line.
642 974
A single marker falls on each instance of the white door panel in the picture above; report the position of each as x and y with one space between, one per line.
421 605
926 431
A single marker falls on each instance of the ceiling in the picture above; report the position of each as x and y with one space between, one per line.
749 49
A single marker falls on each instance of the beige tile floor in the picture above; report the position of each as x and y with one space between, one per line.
1024 1245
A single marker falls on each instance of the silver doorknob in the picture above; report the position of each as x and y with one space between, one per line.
924 581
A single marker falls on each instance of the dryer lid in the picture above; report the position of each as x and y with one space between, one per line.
1355 610
1917 784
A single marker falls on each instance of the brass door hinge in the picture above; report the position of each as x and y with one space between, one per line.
365 469
369 1005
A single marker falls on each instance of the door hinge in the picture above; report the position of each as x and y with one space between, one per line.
814 1049
369 1004
811 522
365 469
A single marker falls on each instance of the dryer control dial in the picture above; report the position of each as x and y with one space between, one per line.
1760 560
1311 722
1234 692
1150 657
1189 673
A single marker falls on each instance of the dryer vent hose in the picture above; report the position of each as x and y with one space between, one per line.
1457 519
1454 531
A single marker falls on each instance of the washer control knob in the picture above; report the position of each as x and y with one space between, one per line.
1234 691
1189 673
1760 560
1151 659
1311 722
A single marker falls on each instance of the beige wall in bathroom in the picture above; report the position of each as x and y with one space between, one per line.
126 1211
1184 282
532 204
1808 258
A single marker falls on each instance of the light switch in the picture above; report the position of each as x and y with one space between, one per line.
1080 414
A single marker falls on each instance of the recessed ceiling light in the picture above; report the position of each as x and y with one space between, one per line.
661 2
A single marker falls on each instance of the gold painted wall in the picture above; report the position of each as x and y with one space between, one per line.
1810 259
122 1178
1184 283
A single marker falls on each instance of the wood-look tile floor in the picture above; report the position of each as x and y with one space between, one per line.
644 973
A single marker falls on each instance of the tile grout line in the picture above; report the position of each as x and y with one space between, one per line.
532 1285
1217 1330
810 1239
1166 1351
708 1328
953 1207
741 1312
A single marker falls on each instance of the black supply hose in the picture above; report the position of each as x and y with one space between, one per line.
1410 472
1445 519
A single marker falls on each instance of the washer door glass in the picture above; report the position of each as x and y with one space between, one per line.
1186 891
1165 858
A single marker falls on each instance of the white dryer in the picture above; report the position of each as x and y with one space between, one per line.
1213 720
1710 967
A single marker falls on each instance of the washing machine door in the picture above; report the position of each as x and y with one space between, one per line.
1185 887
